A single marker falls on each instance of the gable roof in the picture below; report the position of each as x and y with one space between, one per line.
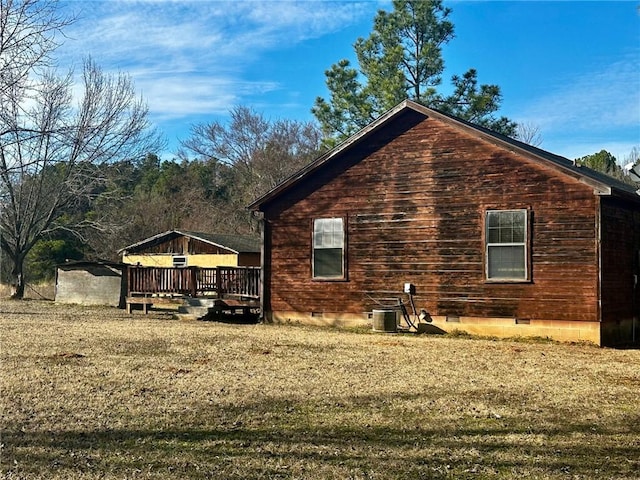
235 243
409 112
72 264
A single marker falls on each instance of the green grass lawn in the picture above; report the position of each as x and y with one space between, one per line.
92 393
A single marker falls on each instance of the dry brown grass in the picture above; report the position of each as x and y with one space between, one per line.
41 291
90 393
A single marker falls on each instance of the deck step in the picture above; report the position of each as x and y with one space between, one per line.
200 302
196 312
215 308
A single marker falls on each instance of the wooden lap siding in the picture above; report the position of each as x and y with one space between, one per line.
414 212
620 234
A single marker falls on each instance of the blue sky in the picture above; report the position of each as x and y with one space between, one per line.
570 68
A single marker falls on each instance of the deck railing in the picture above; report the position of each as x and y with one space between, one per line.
194 281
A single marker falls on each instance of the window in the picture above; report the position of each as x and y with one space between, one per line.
179 261
506 245
328 248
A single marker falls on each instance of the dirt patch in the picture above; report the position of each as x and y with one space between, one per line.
67 355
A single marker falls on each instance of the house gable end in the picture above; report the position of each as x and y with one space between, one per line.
336 162
177 242
403 117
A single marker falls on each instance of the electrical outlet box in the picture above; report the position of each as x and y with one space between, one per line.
409 288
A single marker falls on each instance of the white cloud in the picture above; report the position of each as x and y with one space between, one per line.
215 29
605 99
190 57
174 96
584 114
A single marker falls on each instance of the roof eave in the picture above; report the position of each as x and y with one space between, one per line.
513 146
146 240
210 242
179 232
563 164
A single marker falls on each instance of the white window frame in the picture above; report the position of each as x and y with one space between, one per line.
179 261
493 246
329 233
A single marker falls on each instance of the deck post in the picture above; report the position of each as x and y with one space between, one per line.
194 281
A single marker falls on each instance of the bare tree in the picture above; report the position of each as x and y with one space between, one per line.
28 35
633 157
28 31
260 152
529 133
52 145
267 151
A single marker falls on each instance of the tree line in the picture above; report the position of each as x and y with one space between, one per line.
206 187
80 178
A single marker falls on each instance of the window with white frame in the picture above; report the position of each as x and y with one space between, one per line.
328 248
179 261
506 245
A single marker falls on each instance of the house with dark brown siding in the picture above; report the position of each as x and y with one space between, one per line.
498 237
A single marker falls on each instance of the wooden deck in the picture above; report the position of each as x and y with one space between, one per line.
146 283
